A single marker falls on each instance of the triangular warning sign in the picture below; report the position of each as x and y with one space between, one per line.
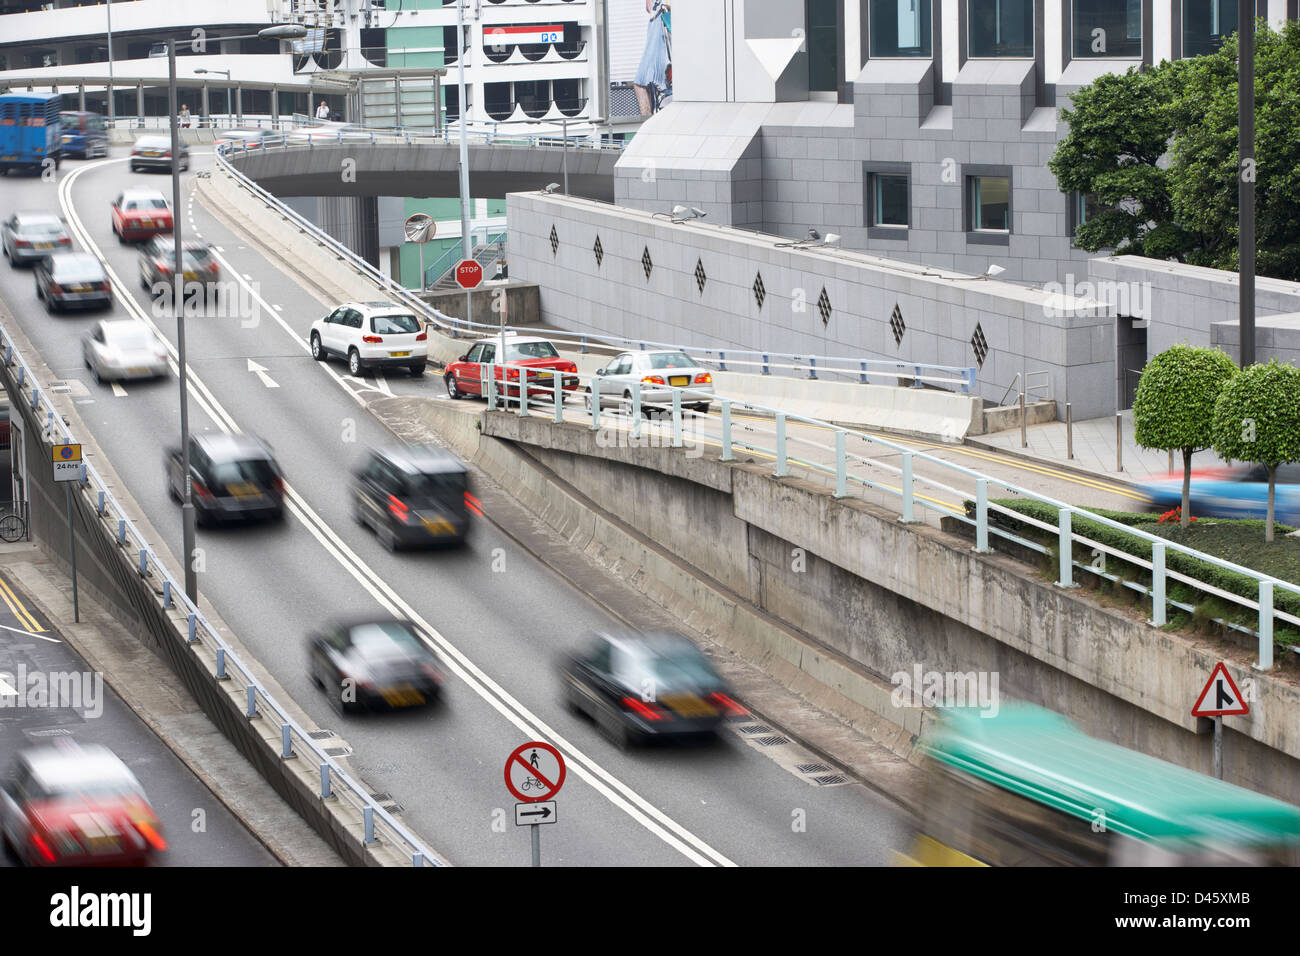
1220 698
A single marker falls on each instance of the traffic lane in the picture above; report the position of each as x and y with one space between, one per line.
519 626
284 370
309 425
48 693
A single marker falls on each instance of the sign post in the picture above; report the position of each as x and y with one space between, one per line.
1227 701
534 774
68 467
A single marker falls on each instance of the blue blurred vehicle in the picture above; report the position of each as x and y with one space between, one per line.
84 134
1231 493
30 131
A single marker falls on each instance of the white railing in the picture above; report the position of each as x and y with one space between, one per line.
378 825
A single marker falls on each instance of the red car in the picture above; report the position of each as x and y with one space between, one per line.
77 806
140 213
538 357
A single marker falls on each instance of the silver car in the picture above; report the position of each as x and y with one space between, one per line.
660 374
123 349
31 236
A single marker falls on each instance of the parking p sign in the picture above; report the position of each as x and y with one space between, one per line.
67 462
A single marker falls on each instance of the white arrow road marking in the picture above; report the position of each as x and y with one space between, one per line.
7 689
118 391
260 372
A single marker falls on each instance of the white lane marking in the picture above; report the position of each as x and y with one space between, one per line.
7 689
19 630
278 308
118 391
602 781
260 372
382 382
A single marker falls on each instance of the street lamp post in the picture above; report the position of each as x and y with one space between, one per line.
109 7
1246 180
465 247
285 32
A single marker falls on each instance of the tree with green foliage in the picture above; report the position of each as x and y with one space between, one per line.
1174 406
1257 419
1158 148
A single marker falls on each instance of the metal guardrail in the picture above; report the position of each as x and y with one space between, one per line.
900 481
906 490
378 823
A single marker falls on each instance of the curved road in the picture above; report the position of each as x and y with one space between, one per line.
499 617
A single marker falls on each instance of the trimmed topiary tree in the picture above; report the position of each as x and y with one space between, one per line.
1174 407
1257 419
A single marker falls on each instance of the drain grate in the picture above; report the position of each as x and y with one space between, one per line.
50 732
321 734
394 807
382 797
831 779
775 740
813 768
338 751
755 729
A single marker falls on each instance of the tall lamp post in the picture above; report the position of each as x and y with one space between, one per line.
280 32
465 247
109 8
1246 172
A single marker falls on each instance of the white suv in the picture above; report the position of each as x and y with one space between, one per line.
371 334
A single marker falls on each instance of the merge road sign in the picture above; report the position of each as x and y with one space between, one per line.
1220 697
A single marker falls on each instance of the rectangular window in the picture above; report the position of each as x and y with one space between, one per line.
900 28
823 45
990 203
1000 28
1107 29
1206 23
1086 205
889 200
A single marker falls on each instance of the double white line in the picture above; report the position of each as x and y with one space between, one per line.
532 726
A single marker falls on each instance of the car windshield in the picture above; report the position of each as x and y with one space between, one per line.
144 204
129 338
78 270
682 668
670 360
394 324
257 470
153 142
383 639
438 485
530 350
40 227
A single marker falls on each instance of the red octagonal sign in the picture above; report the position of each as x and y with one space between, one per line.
535 772
468 273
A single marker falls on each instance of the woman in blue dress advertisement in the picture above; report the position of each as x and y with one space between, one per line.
654 77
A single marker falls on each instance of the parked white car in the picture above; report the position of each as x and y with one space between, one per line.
117 349
660 374
371 335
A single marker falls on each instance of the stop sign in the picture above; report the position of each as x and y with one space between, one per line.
468 273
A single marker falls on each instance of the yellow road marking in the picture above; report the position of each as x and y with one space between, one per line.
23 615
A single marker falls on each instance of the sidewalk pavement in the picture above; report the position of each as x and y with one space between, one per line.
159 698
1094 449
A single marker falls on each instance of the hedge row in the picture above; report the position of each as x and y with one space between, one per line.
1230 581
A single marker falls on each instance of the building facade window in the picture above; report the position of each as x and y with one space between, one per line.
988 203
900 28
1108 29
890 203
1206 23
1000 28
823 45
1086 205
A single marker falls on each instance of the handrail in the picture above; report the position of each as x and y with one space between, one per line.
201 630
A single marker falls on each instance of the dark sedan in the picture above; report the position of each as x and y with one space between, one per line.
374 665
73 280
31 236
232 477
642 686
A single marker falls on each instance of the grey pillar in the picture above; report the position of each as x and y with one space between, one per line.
397 101
204 113
81 97
275 105
139 101
239 105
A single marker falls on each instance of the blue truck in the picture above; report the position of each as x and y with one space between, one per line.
31 132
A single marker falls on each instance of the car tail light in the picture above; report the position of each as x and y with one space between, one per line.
167 155
653 380
647 710
151 835
568 367
65 241
22 242
432 672
732 708
163 267
513 373
101 286
398 508
372 339
43 848
704 378
277 483
199 488
422 337
56 288
212 267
